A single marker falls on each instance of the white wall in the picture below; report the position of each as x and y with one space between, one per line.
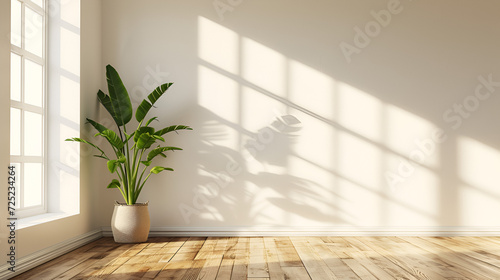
236 71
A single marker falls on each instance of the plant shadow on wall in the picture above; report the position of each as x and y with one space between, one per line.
251 180
331 170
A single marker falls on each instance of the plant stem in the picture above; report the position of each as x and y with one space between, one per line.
127 168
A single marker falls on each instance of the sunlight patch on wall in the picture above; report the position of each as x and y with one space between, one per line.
314 187
69 201
258 110
406 132
71 91
264 67
359 161
311 89
64 98
218 45
69 157
359 206
478 168
218 94
316 141
70 44
70 12
418 201
359 112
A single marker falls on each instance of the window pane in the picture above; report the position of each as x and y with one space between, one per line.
15 77
32 194
33 83
33 32
32 134
17 181
15 132
15 23
38 3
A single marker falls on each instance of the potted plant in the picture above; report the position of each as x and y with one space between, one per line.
133 153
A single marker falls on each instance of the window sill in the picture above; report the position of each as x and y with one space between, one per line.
40 219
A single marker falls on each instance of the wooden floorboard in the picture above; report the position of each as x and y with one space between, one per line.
280 258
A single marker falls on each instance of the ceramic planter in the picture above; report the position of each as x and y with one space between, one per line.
130 223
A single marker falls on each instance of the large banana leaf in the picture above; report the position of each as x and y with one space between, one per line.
120 100
145 106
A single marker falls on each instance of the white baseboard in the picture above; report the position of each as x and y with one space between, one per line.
28 262
319 231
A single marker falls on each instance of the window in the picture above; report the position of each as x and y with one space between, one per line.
28 104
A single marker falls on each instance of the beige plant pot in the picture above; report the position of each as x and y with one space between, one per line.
130 223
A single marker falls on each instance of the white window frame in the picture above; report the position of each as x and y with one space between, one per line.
21 211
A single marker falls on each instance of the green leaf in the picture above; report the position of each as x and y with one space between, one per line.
158 137
112 165
99 127
158 92
105 100
142 110
127 136
113 139
147 163
172 128
145 106
150 120
122 159
120 100
158 169
145 141
141 130
159 151
115 184
75 139
101 156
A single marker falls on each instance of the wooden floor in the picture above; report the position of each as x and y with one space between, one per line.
280 258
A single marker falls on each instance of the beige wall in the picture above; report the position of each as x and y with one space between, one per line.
360 121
